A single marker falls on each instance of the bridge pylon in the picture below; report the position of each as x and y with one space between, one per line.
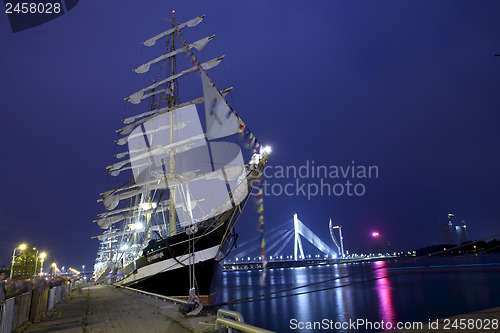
301 230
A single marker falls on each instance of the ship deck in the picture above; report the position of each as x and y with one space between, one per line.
103 308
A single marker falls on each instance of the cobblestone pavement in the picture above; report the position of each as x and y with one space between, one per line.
108 309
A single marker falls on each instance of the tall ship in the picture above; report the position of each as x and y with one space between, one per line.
186 167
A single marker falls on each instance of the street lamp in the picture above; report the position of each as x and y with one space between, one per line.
36 261
22 247
42 257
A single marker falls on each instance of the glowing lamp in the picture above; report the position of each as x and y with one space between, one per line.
136 226
147 205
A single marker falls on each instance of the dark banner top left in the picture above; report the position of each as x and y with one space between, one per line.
26 14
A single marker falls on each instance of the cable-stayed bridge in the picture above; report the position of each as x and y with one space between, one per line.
284 243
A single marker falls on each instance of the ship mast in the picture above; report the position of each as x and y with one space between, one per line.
171 102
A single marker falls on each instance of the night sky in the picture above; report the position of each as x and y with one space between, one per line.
411 87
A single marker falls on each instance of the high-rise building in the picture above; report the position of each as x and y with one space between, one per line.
447 231
462 234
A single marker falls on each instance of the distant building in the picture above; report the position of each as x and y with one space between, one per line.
25 263
462 234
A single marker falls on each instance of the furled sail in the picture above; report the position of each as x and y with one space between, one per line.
111 201
136 97
191 23
151 114
106 221
127 129
199 45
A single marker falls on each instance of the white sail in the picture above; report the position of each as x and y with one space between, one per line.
199 45
211 184
136 97
123 141
107 221
123 154
217 169
111 201
176 148
112 198
158 161
136 208
191 23
221 120
127 129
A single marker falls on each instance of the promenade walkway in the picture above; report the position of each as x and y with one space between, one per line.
108 309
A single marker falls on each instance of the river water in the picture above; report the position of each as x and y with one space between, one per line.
403 290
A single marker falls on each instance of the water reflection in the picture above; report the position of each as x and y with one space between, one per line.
413 294
384 291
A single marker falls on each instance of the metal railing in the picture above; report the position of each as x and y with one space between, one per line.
22 304
7 315
31 306
234 320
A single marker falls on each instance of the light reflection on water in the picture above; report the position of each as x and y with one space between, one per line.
407 295
384 289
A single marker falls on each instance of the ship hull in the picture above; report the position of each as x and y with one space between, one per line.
175 282
164 267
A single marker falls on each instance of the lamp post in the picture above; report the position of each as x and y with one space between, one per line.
36 262
54 267
22 247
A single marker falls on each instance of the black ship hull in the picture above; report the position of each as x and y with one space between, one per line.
164 266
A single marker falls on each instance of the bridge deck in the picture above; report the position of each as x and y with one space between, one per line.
108 309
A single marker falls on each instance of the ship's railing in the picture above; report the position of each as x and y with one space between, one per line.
234 322
31 306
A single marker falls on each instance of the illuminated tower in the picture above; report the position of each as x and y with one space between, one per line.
341 247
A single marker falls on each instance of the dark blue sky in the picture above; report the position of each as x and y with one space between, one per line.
411 87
